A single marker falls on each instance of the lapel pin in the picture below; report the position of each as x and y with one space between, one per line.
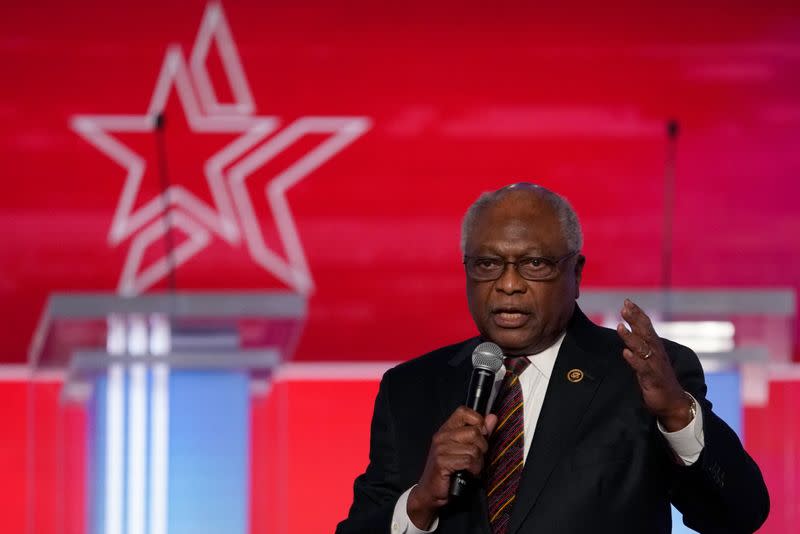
575 376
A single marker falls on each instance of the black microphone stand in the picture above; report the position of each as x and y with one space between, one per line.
163 174
673 129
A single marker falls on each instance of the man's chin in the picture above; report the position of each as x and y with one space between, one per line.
513 342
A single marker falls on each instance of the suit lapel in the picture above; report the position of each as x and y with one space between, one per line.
564 405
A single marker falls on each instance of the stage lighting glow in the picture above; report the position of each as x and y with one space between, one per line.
159 449
115 417
160 335
700 336
115 334
137 447
137 335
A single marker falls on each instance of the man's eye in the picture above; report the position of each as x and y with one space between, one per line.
486 264
533 263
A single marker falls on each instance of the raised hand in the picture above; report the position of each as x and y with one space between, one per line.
645 353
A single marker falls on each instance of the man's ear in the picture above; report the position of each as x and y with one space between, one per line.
579 263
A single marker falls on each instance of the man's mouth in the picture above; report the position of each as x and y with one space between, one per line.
509 317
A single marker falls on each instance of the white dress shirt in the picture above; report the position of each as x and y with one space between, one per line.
687 443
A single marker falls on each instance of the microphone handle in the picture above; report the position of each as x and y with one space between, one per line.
480 388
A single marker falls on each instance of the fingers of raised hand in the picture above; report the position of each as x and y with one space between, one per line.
640 365
639 321
633 341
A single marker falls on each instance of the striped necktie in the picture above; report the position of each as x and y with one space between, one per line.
507 445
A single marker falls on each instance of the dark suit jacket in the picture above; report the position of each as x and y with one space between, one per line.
597 462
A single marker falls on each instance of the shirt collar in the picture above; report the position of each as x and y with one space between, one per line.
545 361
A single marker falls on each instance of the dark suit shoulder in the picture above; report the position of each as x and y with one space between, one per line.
678 351
430 364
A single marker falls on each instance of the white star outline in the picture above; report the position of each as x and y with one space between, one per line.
193 216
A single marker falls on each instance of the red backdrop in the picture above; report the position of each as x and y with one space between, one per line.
459 97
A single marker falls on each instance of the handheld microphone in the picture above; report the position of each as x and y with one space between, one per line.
487 359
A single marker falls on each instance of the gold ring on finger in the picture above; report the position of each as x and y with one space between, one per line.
649 353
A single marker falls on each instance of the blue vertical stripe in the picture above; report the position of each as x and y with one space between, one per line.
209 452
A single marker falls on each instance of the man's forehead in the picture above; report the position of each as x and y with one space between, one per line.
518 204
534 226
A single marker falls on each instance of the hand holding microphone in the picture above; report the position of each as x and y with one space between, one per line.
458 448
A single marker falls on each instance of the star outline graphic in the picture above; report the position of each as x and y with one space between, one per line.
204 112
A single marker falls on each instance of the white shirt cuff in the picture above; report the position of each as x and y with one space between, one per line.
688 442
401 523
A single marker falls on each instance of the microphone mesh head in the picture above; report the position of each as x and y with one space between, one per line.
487 356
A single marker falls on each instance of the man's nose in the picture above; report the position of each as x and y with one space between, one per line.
510 281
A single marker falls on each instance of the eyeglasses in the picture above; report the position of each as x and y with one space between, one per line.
488 268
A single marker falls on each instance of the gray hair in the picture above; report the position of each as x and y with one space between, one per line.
570 224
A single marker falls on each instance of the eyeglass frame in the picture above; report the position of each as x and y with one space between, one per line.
555 261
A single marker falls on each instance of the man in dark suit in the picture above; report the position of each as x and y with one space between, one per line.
591 430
